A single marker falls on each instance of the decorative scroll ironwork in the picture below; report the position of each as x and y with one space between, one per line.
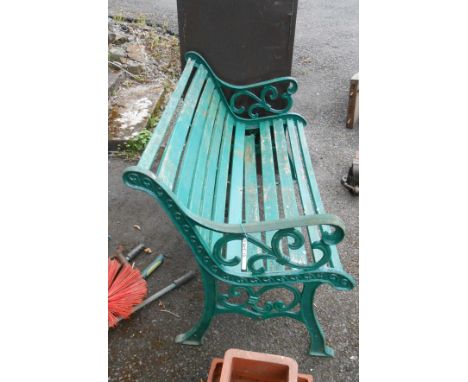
268 94
251 303
275 253
256 101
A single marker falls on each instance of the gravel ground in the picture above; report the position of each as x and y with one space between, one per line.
142 349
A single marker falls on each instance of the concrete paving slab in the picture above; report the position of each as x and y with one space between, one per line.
130 111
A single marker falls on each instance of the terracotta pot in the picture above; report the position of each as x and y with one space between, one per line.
245 366
217 366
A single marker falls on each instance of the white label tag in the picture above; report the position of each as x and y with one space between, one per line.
244 256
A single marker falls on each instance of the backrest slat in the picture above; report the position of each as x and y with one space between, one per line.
187 168
270 196
219 203
287 184
334 259
236 190
148 156
252 210
199 178
307 205
212 167
167 169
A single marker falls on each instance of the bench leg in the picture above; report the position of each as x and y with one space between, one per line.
195 335
317 339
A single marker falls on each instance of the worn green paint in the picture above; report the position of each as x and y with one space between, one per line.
211 169
187 169
287 184
213 180
270 197
319 209
160 130
222 174
252 209
304 190
236 191
167 169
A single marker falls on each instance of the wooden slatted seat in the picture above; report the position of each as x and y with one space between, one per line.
230 166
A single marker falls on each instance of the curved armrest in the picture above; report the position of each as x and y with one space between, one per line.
269 98
330 238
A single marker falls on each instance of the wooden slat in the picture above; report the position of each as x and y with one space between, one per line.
170 160
335 259
187 168
196 193
222 176
270 197
212 164
148 156
252 211
302 181
236 189
287 185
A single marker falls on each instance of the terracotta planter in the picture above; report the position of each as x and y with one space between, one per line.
217 365
241 365
245 366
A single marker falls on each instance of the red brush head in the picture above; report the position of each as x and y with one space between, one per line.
126 288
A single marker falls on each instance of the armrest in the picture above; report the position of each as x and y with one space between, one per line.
269 98
329 238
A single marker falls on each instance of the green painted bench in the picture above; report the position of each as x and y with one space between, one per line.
230 166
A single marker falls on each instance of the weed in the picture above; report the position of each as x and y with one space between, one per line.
165 25
141 20
119 17
153 40
136 145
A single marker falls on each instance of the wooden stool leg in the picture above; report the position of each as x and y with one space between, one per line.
317 339
353 102
195 335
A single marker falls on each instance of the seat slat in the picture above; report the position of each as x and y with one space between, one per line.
334 259
302 181
170 160
222 176
149 155
187 169
196 193
212 164
270 197
234 248
252 211
287 185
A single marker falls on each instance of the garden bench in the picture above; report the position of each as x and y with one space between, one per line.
230 166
